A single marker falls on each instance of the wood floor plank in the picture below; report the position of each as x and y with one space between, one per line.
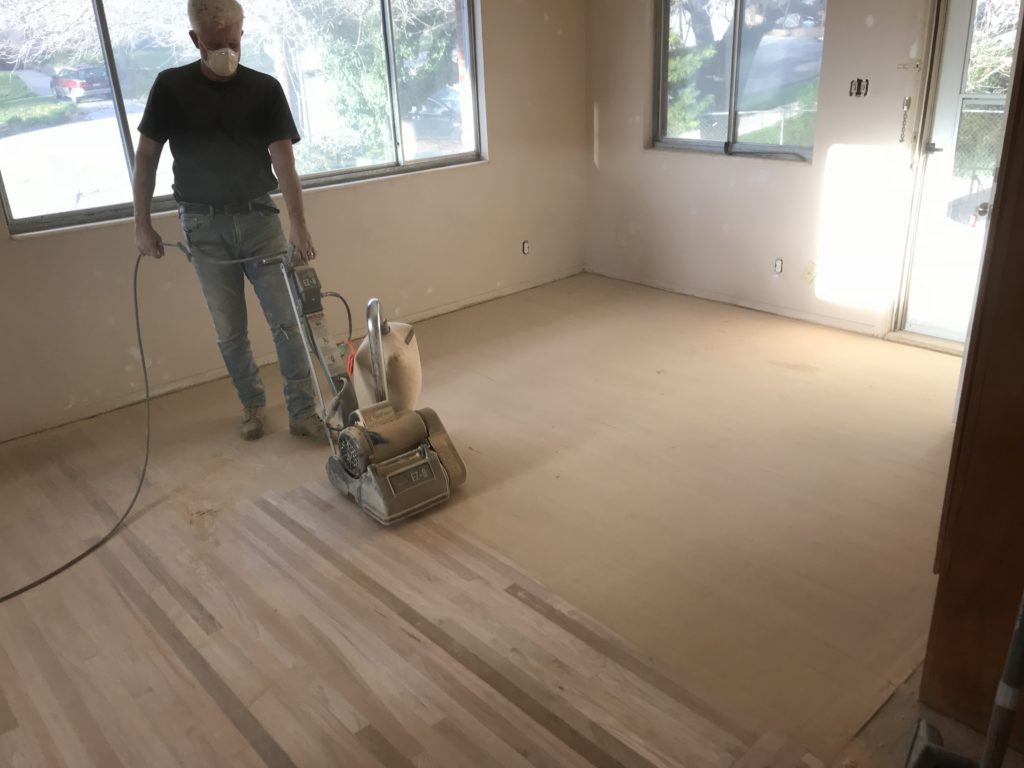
763 751
84 734
538 755
613 650
8 722
250 728
542 715
640 703
305 640
607 695
377 744
534 651
637 552
188 601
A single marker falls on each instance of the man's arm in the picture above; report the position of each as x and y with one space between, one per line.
283 158
147 158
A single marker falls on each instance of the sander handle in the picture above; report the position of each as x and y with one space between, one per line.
376 327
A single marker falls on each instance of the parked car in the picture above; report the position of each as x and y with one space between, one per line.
439 116
77 83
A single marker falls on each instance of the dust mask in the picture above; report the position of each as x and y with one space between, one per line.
223 62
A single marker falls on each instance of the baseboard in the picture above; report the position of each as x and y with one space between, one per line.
839 323
111 404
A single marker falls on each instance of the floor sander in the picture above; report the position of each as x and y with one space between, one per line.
392 459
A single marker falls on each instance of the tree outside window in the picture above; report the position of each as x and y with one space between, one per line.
332 57
769 101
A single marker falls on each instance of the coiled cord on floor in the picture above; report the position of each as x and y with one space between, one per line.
142 473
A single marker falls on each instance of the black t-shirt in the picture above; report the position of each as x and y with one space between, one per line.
219 131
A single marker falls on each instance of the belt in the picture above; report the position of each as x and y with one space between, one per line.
226 209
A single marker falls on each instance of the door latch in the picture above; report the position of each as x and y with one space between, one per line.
930 148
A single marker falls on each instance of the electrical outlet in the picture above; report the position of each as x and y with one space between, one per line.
811 273
526 247
778 266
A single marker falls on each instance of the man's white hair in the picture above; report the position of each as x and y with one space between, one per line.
214 13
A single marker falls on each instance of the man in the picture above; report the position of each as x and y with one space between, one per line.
230 131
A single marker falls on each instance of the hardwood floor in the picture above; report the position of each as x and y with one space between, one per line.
748 505
289 630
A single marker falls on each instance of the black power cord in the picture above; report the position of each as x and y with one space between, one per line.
142 474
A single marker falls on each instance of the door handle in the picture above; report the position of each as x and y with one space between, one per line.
931 149
981 212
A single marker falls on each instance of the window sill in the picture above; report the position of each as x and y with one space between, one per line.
790 154
165 205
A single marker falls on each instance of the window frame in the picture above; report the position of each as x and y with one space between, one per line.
729 147
164 203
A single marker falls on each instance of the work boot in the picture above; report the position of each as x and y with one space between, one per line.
252 422
311 426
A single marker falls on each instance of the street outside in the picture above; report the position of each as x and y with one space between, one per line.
779 64
84 164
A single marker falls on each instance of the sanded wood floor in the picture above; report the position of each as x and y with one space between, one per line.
289 630
750 502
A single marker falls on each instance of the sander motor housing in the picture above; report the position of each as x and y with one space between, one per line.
395 464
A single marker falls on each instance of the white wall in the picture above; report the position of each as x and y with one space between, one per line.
424 243
711 225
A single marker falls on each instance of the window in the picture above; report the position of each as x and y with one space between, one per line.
375 86
740 76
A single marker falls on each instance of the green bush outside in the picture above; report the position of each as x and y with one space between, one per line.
22 111
33 114
799 132
12 87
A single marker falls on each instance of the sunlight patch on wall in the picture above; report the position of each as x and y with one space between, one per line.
862 232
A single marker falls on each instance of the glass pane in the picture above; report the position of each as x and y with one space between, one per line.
995 31
435 89
329 59
779 71
951 237
147 39
979 143
60 149
699 69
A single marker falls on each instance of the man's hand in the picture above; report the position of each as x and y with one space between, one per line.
148 241
302 243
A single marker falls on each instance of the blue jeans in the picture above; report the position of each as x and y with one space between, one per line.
213 238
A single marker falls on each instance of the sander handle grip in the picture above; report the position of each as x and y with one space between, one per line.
375 328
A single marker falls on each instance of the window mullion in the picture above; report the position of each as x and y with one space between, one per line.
115 86
663 14
392 66
734 76
471 62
